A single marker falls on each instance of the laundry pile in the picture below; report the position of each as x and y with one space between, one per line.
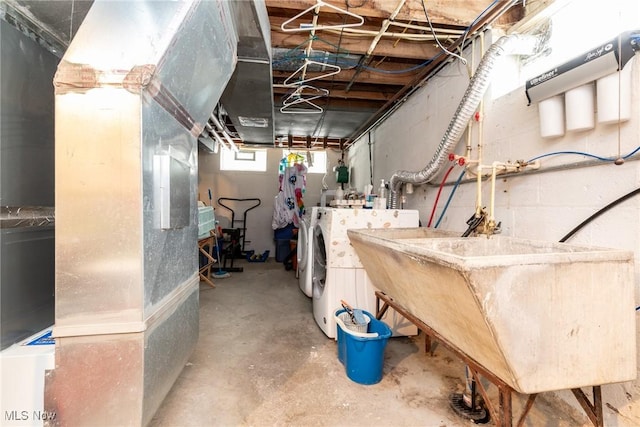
289 204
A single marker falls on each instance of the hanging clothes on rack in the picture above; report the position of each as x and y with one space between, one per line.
289 203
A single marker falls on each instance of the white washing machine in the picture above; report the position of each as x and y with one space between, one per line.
337 271
305 252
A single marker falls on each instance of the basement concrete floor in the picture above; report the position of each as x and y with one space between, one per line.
262 361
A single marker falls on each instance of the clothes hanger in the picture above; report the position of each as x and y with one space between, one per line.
336 69
294 108
299 94
316 9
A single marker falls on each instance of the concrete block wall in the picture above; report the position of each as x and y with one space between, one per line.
544 205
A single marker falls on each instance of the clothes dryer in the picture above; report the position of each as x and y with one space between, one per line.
338 273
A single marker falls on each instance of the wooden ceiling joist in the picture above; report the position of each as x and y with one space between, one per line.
365 76
398 64
357 45
342 94
495 11
460 12
339 103
309 142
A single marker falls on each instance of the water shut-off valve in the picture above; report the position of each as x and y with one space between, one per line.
481 224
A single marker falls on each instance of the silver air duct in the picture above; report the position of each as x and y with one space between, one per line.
468 105
132 93
248 97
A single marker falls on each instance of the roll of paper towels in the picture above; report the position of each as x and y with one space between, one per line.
551 114
614 96
580 108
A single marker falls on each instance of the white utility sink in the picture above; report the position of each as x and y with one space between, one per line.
541 316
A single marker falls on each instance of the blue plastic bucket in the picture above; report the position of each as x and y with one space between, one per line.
362 354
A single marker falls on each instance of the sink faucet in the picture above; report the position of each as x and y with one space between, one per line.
474 222
481 224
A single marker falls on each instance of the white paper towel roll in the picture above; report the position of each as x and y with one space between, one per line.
614 95
579 108
551 114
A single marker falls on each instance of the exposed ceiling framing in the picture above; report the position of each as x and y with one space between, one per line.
380 62
395 37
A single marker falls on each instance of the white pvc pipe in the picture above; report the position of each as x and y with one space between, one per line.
479 191
464 112
385 26
226 136
492 200
220 141
232 144
404 36
421 28
215 135
480 139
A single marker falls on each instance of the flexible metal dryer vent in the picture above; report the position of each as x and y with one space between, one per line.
511 44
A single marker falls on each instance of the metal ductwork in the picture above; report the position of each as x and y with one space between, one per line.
514 43
26 188
248 97
132 93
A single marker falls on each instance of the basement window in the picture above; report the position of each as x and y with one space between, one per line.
315 161
244 160
574 29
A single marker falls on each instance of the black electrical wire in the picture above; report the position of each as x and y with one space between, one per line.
433 32
598 213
